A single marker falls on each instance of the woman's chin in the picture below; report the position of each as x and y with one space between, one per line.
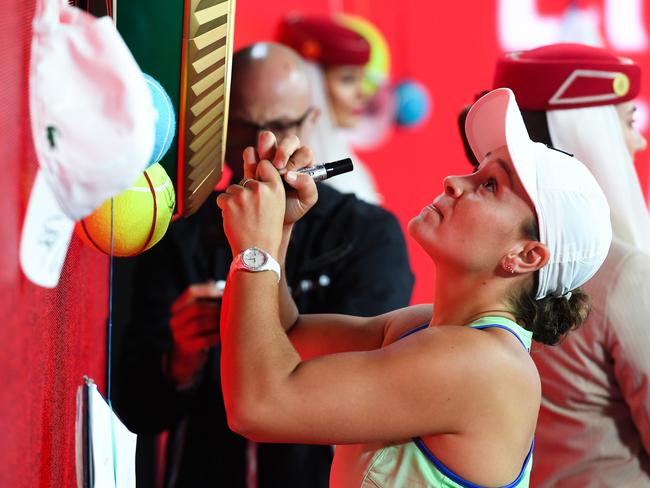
415 228
411 227
347 121
422 233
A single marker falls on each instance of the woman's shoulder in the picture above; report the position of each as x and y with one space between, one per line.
471 348
407 319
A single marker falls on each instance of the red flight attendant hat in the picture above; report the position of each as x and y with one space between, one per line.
324 41
563 76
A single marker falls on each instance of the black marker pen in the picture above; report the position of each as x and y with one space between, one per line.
324 171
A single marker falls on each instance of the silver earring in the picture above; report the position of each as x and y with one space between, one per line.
509 268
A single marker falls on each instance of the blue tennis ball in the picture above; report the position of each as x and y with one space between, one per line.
412 103
166 122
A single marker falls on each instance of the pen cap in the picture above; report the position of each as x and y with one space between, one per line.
339 167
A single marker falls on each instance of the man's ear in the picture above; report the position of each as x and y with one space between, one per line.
309 124
531 257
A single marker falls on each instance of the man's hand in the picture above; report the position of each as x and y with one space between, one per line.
288 156
195 329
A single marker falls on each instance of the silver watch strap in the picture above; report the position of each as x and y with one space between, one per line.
270 265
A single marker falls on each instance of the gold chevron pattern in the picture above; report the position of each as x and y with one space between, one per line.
204 100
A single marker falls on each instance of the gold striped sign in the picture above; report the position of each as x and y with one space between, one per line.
200 70
204 99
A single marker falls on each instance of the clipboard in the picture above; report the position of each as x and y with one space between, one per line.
105 448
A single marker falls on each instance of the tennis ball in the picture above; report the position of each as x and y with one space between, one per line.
166 121
141 215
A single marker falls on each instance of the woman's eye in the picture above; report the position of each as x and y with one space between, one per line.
490 185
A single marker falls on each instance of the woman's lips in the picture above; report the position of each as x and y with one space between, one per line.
433 207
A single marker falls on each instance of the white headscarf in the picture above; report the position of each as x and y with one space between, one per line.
594 135
329 143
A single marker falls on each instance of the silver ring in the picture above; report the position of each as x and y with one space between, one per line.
244 181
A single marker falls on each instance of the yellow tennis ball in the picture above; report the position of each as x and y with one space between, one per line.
141 215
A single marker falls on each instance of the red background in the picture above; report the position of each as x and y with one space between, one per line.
51 338
450 47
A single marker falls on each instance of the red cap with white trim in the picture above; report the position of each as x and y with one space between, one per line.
324 41
567 76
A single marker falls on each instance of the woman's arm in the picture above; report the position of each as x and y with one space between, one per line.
321 334
427 383
315 335
308 335
628 338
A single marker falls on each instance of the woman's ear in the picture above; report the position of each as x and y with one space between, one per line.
533 256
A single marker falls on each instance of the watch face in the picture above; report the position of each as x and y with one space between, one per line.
253 258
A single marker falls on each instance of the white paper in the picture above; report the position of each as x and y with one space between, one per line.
102 421
79 444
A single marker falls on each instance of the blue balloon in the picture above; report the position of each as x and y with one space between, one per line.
166 122
412 103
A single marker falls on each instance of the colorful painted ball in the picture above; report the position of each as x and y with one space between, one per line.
412 103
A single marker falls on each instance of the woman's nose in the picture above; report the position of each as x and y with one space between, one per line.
360 94
453 186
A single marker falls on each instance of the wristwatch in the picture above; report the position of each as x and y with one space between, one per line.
254 260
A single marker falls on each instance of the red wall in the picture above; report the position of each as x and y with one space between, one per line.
49 339
451 47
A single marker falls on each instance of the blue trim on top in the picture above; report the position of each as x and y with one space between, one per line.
499 326
427 452
480 327
413 331
462 481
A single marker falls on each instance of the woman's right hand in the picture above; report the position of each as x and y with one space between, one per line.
288 156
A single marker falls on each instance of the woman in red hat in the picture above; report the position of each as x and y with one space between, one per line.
336 57
594 426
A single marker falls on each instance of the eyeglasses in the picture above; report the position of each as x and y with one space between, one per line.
245 131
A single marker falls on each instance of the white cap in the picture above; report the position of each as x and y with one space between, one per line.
572 211
93 127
